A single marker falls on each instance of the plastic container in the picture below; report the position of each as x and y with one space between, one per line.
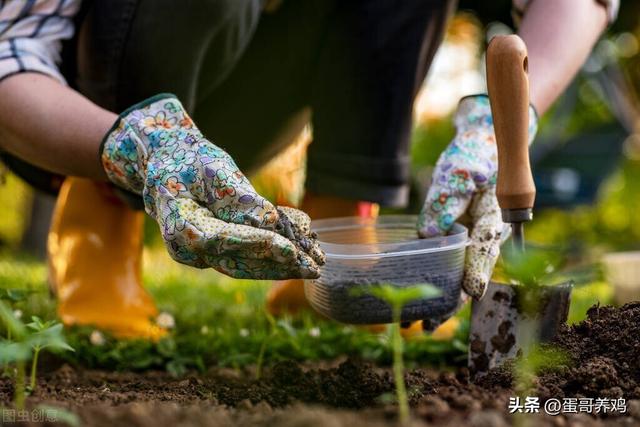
622 270
385 250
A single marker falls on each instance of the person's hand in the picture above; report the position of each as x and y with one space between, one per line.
464 181
209 213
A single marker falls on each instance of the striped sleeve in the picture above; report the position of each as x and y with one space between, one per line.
612 6
31 35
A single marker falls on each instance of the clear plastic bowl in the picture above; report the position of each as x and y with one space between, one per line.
385 250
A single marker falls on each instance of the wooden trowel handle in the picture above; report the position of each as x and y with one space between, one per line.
508 86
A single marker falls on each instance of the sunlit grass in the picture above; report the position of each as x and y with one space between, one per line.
221 322
14 198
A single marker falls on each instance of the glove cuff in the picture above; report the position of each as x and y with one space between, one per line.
125 114
125 148
474 111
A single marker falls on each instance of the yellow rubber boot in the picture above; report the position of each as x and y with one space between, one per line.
94 251
444 332
287 296
415 330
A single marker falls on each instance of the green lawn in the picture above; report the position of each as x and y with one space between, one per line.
222 322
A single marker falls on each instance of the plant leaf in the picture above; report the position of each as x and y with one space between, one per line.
14 351
51 337
532 267
16 295
399 296
16 326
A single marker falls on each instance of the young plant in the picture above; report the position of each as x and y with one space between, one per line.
539 358
281 331
527 368
533 268
14 352
44 334
273 330
532 271
27 341
397 297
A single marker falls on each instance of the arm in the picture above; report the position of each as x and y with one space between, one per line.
559 35
49 125
207 210
42 121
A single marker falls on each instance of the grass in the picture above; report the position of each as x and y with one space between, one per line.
221 322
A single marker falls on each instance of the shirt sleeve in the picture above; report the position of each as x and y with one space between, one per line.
612 6
31 35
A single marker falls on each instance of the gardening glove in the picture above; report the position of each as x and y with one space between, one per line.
208 212
464 181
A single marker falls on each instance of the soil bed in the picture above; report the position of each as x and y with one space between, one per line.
605 350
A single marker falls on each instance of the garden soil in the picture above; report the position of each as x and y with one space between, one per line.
605 362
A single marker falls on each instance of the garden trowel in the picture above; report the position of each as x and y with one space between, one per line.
508 86
499 325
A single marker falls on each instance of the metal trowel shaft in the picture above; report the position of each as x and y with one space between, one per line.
517 235
517 218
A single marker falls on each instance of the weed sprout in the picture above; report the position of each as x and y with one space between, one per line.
26 342
397 297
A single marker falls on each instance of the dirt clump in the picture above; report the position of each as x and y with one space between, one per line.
604 352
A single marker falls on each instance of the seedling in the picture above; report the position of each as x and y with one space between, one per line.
533 268
397 297
281 329
26 343
531 271
539 358
273 330
527 368
44 334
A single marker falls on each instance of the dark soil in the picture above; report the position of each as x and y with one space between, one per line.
605 353
605 349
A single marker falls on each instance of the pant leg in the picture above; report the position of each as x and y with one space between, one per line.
130 50
373 61
240 89
268 93
357 63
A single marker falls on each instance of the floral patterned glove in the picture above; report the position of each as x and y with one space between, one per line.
209 213
464 180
